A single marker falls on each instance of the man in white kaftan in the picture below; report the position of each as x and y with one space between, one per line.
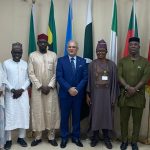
44 98
16 96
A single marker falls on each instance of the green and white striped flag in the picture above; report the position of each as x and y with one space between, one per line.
113 52
88 38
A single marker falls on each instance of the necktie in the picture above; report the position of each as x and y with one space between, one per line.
73 65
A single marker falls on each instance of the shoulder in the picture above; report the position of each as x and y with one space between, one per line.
23 62
110 62
33 54
63 58
52 54
81 59
143 59
144 62
123 60
93 62
7 61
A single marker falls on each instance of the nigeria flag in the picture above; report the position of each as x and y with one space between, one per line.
113 52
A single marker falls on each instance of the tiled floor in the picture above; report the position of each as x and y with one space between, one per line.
70 146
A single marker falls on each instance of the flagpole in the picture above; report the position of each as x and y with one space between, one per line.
134 16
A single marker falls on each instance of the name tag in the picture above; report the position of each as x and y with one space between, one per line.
104 78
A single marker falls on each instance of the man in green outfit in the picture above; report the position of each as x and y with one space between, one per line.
133 73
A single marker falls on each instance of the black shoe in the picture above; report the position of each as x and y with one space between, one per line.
77 142
93 142
22 142
63 143
134 146
108 144
124 145
53 142
35 142
8 145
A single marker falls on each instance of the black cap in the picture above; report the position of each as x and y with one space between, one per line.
135 39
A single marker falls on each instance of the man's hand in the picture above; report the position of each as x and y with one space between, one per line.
45 89
130 91
17 93
73 91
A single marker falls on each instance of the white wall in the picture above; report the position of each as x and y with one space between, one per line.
15 17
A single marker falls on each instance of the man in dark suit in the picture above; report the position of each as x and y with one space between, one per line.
71 74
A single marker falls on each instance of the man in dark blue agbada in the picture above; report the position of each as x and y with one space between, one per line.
71 74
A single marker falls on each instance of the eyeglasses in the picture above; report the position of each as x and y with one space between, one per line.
72 47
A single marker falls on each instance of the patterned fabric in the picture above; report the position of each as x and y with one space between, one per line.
44 108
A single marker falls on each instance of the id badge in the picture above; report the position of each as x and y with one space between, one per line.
104 78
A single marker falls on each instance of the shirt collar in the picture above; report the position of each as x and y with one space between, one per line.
75 57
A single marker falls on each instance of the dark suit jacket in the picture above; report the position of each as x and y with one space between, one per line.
67 79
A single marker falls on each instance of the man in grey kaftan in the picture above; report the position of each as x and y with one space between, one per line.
102 90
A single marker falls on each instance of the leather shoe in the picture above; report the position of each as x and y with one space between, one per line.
77 142
8 145
63 143
108 144
22 142
124 145
35 142
93 142
134 146
53 142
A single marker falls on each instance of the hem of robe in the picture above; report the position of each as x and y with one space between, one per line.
94 129
57 126
19 127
